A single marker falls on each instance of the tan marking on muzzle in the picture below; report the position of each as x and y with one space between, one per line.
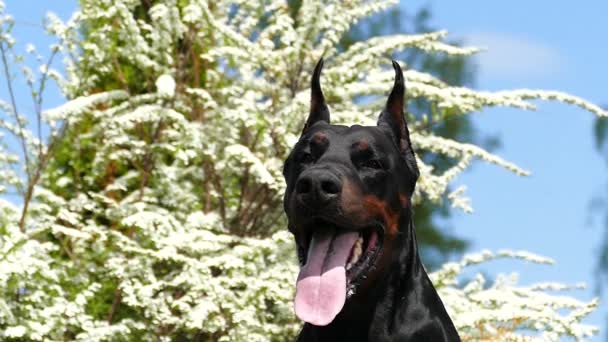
351 201
377 207
361 208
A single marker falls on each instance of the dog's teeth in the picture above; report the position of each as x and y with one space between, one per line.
357 251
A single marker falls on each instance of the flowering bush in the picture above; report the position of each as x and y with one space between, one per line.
154 211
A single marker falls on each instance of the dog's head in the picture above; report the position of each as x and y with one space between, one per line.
347 190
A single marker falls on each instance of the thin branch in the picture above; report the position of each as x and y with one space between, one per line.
148 161
38 100
115 304
37 173
250 199
43 158
250 217
244 183
120 75
11 93
217 185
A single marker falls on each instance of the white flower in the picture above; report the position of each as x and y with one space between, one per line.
165 85
17 331
174 209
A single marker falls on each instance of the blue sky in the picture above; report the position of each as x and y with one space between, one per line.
555 45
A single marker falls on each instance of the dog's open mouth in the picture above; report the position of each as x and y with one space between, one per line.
362 256
335 261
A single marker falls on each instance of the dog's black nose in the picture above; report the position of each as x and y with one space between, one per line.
317 187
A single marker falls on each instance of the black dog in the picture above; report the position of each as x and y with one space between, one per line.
348 205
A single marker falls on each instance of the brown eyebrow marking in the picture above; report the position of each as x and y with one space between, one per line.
363 145
319 137
405 201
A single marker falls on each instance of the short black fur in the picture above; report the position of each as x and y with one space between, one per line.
355 178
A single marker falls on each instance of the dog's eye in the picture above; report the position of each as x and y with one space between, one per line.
306 158
372 164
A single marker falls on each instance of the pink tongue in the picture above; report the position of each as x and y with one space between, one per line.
321 286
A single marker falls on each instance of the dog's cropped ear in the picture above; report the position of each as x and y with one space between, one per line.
318 108
393 119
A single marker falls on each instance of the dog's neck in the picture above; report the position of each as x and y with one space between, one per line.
394 307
